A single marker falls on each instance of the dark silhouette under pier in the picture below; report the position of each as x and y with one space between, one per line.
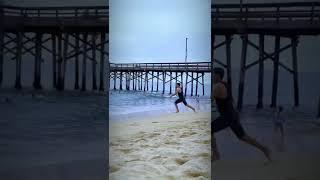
74 33
278 20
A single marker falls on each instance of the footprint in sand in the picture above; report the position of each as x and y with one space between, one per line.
139 139
126 151
181 161
152 135
204 155
155 122
113 169
202 141
187 134
171 142
195 174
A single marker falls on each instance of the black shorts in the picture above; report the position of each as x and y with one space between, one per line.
232 121
181 100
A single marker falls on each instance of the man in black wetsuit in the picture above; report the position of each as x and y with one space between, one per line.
179 93
229 117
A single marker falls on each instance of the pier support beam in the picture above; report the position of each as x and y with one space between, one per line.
176 78
294 41
141 80
54 60
103 39
203 84
192 83
37 62
181 78
275 72
128 80
1 44
242 70
1 49
133 80
120 81
115 74
145 80
163 81
18 60
186 84
76 63
59 79
261 72
228 55
158 81
152 81
65 56
170 82
94 62
197 82
84 63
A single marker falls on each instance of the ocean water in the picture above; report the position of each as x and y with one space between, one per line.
124 105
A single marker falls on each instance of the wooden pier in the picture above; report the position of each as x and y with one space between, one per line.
279 20
75 34
155 76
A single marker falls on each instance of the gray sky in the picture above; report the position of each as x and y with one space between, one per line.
155 31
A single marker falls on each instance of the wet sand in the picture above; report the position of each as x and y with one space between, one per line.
173 146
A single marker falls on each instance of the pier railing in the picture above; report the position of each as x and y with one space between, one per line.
191 66
57 12
267 11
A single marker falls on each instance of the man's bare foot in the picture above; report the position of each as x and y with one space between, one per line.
177 111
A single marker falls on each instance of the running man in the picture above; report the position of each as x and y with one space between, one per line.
229 117
179 93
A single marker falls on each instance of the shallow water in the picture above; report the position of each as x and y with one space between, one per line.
126 105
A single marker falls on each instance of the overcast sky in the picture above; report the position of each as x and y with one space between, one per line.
156 31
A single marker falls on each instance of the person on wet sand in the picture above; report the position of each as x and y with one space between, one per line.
229 117
179 93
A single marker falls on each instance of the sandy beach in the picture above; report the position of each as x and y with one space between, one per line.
171 146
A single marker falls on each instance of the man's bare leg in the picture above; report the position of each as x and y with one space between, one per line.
215 155
191 107
177 109
255 143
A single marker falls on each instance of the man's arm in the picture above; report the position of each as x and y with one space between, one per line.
174 93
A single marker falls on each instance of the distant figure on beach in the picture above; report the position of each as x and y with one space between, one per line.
278 124
179 93
229 117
